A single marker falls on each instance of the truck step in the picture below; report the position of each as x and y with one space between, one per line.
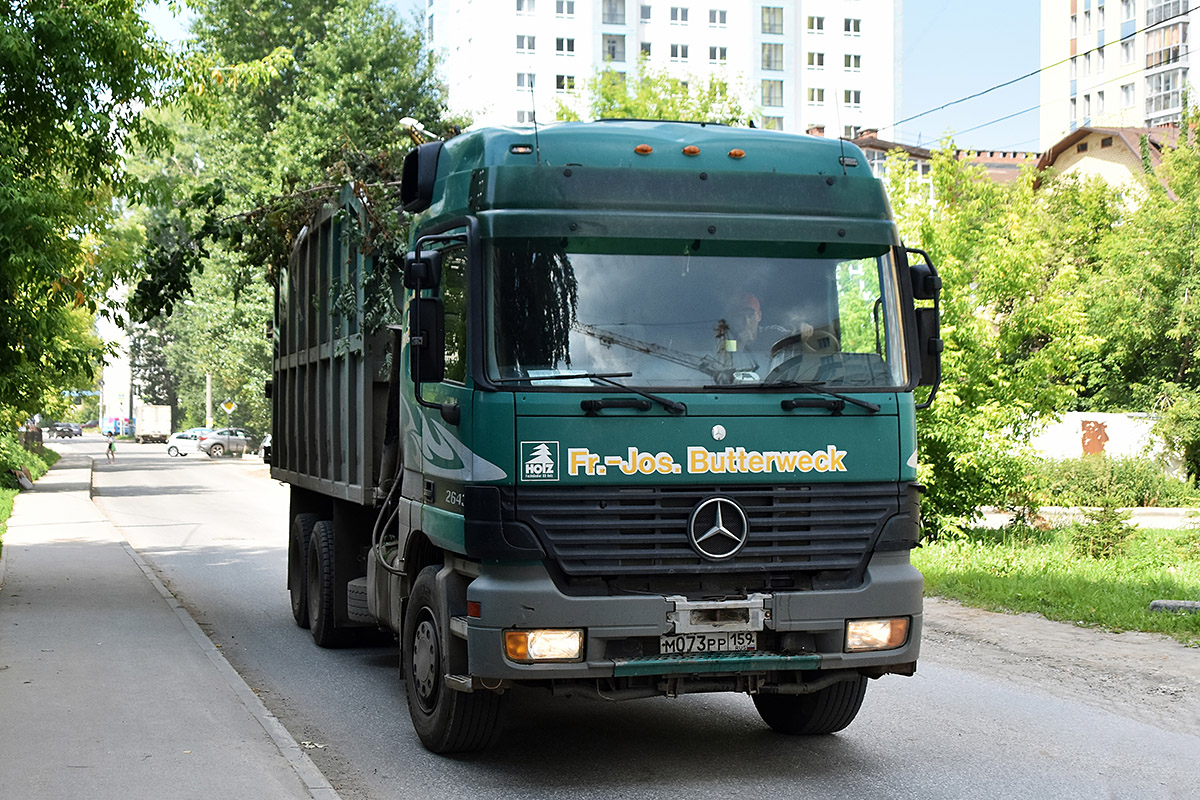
458 626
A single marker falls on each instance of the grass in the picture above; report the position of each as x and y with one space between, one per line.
12 456
1045 572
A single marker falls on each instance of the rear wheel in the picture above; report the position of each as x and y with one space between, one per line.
826 710
298 539
322 580
172 451
446 721
216 451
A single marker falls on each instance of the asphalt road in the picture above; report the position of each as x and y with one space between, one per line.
215 531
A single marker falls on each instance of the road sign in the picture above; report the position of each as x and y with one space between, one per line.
228 406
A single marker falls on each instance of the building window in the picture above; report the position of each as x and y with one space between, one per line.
1087 106
772 56
1159 10
644 13
772 19
613 12
772 93
850 132
1106 141
614 47
679 52
1087 22
1100 18
566 46
816 97
1074 110
1127 52
524 80
1100 61
1099 102
1081 147
815 24
717 18
1166 45
524 6
1074 68
717 55
564 8
1127 98
679 15
772 123
815 60
524 44
1164 92
1126 9
1087 63
853 63
646 49
1074 26
853 26
526 116
564 83
852 98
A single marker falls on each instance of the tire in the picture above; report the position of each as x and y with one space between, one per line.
827 710
216 451
297 580
172 451
321 589
445 720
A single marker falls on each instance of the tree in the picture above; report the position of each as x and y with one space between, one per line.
651 93
73 80
1014 319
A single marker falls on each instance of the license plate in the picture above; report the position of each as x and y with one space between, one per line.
713 642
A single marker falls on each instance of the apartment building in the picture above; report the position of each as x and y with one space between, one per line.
800 64
1112 63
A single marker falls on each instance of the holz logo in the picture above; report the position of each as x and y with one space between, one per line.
539 461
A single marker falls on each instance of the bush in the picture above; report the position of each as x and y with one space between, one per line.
1095 480
1104 533
13 456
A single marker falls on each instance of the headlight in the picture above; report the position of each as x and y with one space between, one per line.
876 634
544 645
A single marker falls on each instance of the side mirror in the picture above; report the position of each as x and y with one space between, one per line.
424 272
930 343
427 341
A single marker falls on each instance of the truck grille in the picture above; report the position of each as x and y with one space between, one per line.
823 531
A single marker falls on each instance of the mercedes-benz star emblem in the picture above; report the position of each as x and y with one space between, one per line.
717 528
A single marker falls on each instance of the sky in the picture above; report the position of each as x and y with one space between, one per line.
951 49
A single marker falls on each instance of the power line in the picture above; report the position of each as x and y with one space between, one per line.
991 89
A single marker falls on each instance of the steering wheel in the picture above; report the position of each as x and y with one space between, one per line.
815 341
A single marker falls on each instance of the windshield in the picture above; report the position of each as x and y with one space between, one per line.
690 320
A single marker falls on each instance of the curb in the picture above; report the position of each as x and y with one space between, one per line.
313 779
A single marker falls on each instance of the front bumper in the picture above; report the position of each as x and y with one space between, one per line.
806 629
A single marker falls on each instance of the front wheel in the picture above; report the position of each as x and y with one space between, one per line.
172 451
446 721
827 710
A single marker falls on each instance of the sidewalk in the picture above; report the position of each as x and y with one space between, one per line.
108 688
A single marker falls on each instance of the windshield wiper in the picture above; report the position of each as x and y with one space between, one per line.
603 379
818 387
674 406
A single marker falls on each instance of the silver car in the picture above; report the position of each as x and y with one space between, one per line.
234 442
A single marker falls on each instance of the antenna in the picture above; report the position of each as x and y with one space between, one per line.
837 110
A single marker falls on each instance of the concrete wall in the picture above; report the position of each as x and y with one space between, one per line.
1082 433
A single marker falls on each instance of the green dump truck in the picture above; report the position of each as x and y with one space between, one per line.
647 427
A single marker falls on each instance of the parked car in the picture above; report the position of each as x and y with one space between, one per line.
264 449
226 441
184 442
77 428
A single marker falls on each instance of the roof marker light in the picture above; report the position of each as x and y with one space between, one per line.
691 150
737 153
521 149
643 149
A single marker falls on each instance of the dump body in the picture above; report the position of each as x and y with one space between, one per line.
648 427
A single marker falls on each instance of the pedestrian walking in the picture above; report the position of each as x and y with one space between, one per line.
110 452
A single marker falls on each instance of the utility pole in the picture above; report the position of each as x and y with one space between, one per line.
208 421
